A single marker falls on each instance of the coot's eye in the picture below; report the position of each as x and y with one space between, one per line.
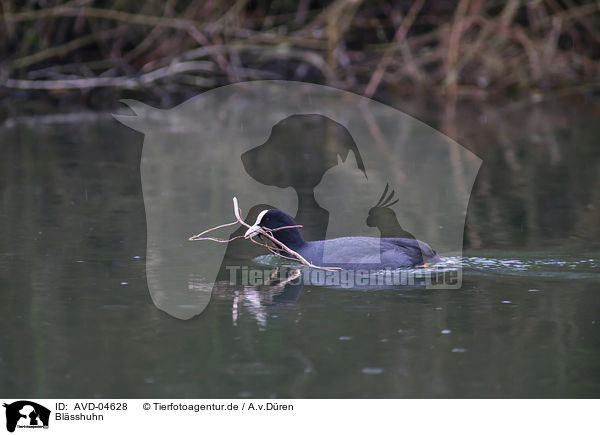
267 219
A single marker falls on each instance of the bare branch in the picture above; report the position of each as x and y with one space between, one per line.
265 233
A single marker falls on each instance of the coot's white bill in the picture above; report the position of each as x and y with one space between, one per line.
253 230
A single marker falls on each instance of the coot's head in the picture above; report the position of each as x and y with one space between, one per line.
273 219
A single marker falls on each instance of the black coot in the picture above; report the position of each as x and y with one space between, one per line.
356 252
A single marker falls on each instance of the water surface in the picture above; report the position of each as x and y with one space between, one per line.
77 320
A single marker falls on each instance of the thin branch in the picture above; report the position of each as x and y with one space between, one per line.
63 49
198 236
265 233
125 82
69 11
387 57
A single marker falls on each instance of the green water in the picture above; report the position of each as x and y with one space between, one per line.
76 318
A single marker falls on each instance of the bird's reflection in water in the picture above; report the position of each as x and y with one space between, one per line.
263 292
280 287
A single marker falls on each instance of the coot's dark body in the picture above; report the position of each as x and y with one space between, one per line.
351 253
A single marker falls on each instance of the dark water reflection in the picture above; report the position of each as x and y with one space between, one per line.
76 319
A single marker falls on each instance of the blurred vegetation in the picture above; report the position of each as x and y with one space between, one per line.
177 48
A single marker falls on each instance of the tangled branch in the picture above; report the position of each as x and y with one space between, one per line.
279 249
477 47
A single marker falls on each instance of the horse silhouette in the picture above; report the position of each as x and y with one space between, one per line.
32 410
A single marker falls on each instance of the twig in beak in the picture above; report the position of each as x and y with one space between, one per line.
261 232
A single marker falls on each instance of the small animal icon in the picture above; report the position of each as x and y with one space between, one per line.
384 218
